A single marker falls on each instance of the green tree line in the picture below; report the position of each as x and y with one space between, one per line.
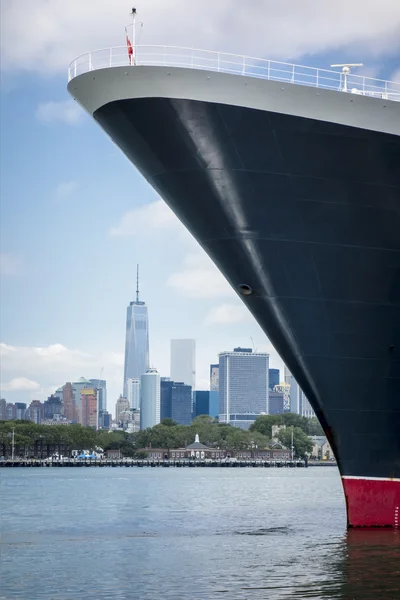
43 440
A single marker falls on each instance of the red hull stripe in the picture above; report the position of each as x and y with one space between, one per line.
372 502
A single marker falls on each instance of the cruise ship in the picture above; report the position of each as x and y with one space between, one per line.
289 178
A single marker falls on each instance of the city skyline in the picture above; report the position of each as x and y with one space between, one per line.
75 179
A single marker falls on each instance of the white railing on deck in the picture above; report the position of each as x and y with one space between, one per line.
172 56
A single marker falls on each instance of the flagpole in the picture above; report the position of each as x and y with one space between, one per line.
133 13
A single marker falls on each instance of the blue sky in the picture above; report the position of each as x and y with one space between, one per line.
76 217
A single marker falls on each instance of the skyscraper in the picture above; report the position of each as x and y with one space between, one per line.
273 378
101 388
3 411
181 403
243 385
206 403
89 407
136 340
166 398
68 401
214 378
122 405
183 362
149 399
78 386
133 392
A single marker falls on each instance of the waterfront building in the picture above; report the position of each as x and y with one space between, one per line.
149 399
183 361
136 339
243 385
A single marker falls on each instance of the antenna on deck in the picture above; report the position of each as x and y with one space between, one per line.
346 68
132 45
137 284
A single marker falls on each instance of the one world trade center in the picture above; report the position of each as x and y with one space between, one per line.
136 340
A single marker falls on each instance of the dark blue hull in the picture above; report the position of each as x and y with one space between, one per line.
306 213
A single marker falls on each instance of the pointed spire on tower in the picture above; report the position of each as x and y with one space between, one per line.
137 283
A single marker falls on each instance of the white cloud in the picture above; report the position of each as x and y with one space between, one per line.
9 264
66 111
58 32
20 384
227 314
65 189
200 278
34 372
146 219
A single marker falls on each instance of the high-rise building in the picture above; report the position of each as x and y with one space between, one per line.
35 411
166 398
89 407
183 362
121 406
214 378
276 402
11 412
78 386
106 420
136 339
273 378
306 410
287 375
133 392
100 386
294 395
52 406
149 399
181 401
3 411
205 403
243 385
69 402
20 410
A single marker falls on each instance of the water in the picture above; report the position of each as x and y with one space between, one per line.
187 534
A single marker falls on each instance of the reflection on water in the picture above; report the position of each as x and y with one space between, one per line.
104 534
372 564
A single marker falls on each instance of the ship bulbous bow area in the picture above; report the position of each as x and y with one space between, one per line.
306 214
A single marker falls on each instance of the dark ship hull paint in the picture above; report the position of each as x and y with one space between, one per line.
307 213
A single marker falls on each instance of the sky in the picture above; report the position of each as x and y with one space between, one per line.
76 216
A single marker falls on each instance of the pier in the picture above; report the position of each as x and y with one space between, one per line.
101 463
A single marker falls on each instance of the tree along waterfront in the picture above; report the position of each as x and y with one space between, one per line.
41 441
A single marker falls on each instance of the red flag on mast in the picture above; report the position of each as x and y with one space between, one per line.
130 48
